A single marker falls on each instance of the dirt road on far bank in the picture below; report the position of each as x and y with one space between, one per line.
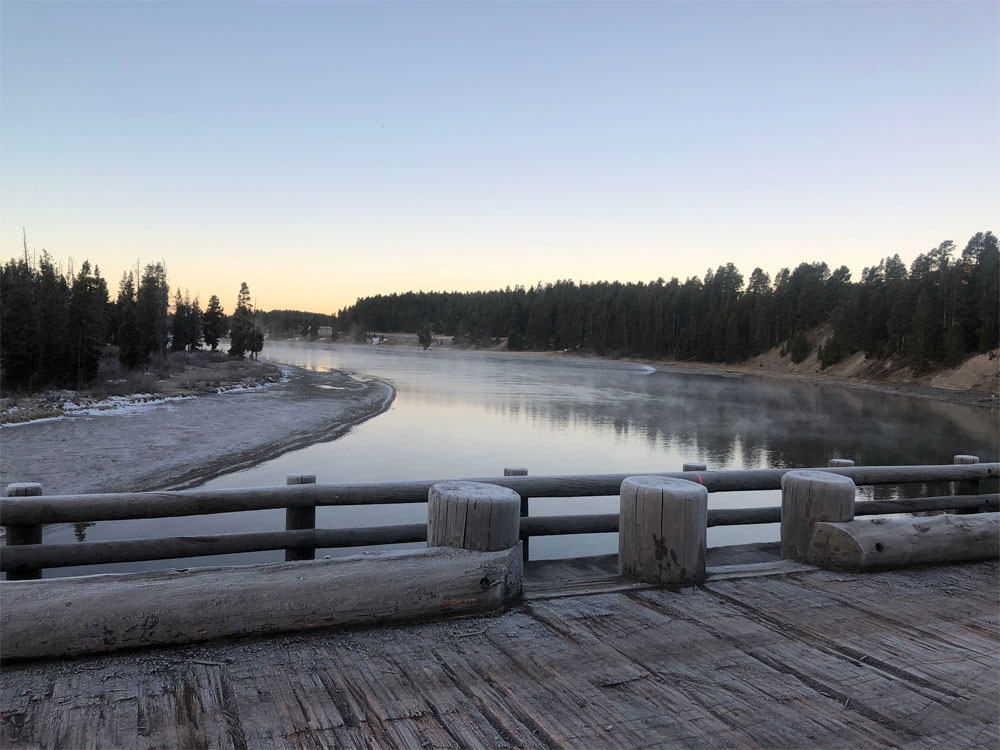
181 444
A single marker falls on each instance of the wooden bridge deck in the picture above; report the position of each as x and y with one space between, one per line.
806 659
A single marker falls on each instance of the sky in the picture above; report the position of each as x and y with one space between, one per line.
326 151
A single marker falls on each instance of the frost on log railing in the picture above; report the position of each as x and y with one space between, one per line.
25 510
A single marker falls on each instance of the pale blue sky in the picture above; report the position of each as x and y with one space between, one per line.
324 151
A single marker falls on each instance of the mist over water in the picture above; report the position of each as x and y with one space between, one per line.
472 414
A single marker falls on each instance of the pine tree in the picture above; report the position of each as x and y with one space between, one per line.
195 327
798 347
130 345
179 325
152 300
53 300
921 337
85 325
241 328
20 353
213 322
255 342
425 335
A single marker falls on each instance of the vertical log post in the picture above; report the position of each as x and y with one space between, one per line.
299 518
473 516
840 462
662 530
520 471
694 466
27 534
967 487
808 497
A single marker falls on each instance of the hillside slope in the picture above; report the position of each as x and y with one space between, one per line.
980 372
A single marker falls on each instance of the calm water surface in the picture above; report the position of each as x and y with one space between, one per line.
472 414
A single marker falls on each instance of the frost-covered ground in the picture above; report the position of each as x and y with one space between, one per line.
182 375
171 442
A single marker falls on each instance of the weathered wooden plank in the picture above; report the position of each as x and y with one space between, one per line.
756 662
708 673
898 644
168 548
468 722
186 711
118 506
105 613
553 685
951 603
132 550
909 711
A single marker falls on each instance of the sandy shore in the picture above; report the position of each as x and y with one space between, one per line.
182 443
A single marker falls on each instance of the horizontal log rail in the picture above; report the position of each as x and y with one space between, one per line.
45 509
37 556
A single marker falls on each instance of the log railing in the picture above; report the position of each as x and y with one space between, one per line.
27 511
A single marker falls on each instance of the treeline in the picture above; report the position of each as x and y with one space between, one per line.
55 327
945 306
294 322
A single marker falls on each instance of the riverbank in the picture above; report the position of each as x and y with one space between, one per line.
179 375
976 382
181 443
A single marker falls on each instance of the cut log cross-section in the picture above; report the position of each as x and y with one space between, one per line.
473 516
662 530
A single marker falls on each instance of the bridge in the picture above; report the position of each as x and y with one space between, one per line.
764 647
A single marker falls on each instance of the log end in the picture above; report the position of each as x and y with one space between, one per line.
473 516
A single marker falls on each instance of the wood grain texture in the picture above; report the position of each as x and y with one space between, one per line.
520 471
970 486
472 516
17 535
96 614
808 497
897 659
123 505
33 556
662 530
880 543
300 518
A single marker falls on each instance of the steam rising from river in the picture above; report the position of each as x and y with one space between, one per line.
467 415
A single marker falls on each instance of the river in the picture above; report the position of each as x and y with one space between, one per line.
472 414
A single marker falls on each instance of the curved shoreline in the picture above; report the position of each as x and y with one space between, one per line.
182 444
293 443
959 396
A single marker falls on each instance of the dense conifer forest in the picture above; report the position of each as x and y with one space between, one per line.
60 329
944 307
294 323
57 328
